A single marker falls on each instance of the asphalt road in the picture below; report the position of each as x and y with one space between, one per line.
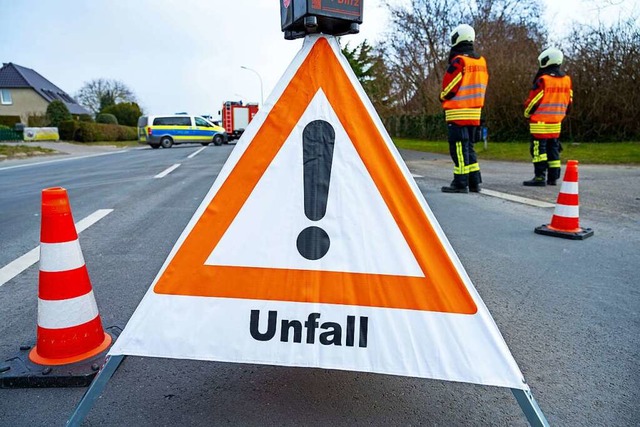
568 309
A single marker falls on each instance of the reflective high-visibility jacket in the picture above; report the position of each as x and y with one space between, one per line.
547 105
463 90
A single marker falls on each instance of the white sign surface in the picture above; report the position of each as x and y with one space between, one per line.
375 287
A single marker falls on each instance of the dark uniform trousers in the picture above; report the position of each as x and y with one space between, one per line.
466 170
545 154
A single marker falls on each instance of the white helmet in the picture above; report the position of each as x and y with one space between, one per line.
551 56
462 33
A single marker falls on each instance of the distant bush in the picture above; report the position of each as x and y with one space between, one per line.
86 118
107 119
127 113
90 132
67 130
57 112
10 120
38 120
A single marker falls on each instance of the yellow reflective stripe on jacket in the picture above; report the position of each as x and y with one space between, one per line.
451 85
534 101
463 114
545 128
554 163
474 167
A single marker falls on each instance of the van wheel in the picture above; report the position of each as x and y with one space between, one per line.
217 140
166 142
205 143
154 146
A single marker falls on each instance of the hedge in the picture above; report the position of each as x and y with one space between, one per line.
67 130
10 120
90 132
433 128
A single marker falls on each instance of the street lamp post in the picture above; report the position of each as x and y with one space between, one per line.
257 74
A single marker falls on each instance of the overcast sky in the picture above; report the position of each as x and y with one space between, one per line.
179 55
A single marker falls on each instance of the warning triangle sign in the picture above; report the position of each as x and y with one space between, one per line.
315 247
260 186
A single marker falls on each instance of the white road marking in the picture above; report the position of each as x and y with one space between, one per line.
167 171
416 175
87 222
517 199
192 155
18 265
62 160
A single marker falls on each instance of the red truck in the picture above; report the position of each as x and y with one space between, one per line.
236 116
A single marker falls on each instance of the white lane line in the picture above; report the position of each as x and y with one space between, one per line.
66 159
87 222
192 155
517 199
416 175
167 171
19 265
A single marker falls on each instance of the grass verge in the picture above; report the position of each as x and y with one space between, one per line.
611 153
17 151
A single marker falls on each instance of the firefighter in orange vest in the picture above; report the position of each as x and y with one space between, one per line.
545 108
463 91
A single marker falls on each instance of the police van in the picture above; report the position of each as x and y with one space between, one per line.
165 131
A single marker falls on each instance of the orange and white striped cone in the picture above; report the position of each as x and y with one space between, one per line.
565 222
69 325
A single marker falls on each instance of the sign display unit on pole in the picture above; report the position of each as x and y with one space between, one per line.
315 248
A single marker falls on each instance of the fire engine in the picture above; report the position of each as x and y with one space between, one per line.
236 116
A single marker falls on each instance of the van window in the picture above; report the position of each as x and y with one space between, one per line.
202 122
172 121
142 121
182 121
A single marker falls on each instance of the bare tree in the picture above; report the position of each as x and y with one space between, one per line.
98 94
416 49
604 62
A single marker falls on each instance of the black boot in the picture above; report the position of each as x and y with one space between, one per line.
474 181
454 187
537 181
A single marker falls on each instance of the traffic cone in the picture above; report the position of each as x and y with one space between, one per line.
565 222
69 325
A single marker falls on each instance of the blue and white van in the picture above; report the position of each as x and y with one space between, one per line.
165 131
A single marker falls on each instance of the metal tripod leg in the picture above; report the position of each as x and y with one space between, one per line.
530 408
95 390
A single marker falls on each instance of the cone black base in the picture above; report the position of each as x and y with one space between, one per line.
578 235
20 372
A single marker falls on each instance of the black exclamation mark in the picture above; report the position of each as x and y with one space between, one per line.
317 145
